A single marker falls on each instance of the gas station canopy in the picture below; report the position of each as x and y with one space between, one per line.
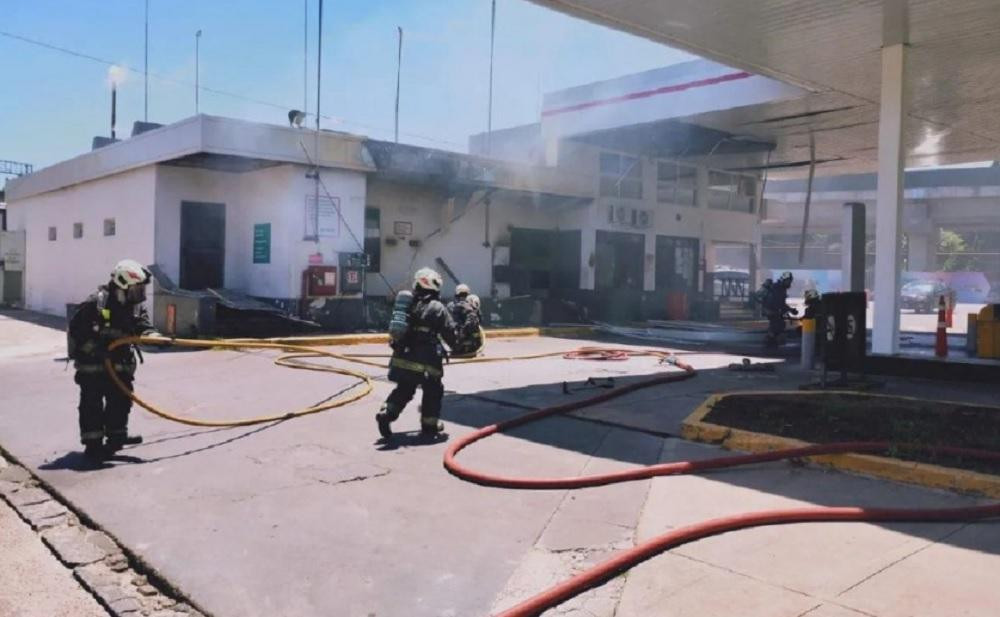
831 50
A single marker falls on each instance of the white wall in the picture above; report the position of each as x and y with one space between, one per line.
177 184
701 222
275 195
460 246
68 270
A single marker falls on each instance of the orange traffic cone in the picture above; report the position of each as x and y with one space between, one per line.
941 338
950 313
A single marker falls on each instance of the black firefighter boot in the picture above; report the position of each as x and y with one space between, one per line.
117 442
93 450
431 426
384 418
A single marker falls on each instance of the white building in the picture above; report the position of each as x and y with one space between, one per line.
231 206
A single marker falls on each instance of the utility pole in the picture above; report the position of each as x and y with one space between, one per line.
489 115
319 90
114 107
145 72
114 76
197 68
399 65
305 57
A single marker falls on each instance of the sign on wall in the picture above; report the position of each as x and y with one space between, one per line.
262 243
322 221
625 216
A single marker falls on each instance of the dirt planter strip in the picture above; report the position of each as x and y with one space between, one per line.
698 427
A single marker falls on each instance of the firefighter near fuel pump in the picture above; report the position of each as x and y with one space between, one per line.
773 299
419 325
117 310
465 310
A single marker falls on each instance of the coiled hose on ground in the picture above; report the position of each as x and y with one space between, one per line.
627 559
295 357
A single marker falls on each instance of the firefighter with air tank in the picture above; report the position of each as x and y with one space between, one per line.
465 310
773 298
117 310
420 322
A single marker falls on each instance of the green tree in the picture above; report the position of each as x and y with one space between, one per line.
950 245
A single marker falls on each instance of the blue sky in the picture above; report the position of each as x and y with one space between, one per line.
53 103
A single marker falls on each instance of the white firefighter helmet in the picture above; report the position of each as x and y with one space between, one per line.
474 301
128 273
462 290
811 294
129 279
427 279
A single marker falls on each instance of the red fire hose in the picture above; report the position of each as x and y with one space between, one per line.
625 560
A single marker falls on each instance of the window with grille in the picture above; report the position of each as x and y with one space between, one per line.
732 192
621 176
676 184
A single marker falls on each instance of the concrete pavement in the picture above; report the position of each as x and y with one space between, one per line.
32 581
315 517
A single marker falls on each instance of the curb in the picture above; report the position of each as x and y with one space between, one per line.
695 428
118 580
382 337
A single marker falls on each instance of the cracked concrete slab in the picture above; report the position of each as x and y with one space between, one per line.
44 514
28 497
817 561
75 545
671 585
542 568
958 578
587 527
834 610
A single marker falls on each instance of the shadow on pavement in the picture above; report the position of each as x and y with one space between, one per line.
409 439
76 461
39 319
791 480
579 434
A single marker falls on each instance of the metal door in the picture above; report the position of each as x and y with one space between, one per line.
203 245
676 264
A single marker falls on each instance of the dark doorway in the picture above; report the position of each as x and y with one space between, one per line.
373 239
619 258
543 260
203 245
677 264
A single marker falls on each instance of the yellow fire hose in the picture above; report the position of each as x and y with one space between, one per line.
293 359
288 360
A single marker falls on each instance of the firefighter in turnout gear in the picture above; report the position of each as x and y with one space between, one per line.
812 299
465 310
115 311
418 355
774 301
